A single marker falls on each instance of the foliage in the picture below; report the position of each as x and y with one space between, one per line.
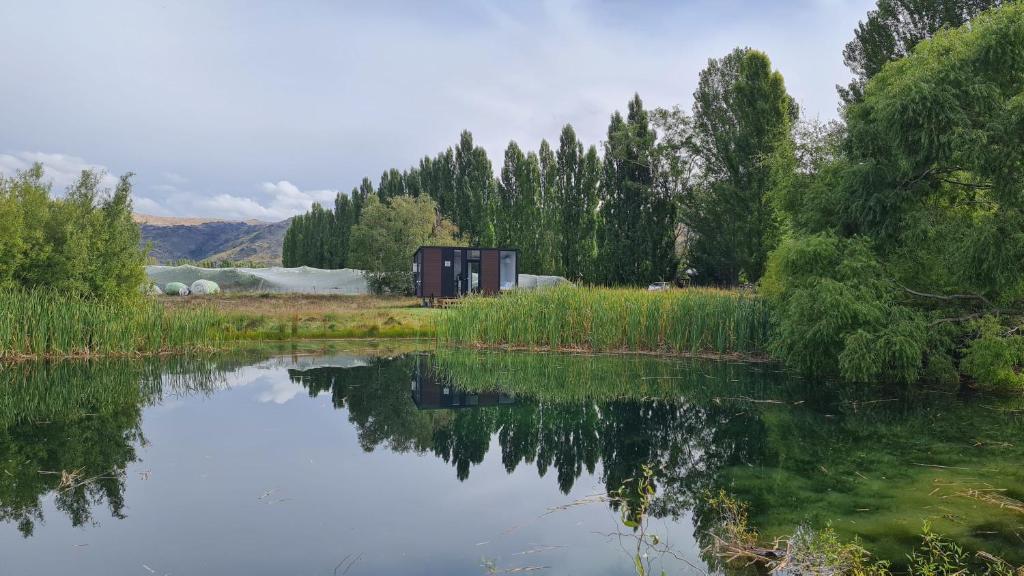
45 323
742 116
837 314
519 194
84 243
994 356
915 231
320 237
892 30
685 321
579 180
639 218
387 236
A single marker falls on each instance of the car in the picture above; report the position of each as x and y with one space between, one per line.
659 286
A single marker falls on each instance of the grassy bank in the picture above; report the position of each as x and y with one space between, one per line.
277 317
693 321
45 324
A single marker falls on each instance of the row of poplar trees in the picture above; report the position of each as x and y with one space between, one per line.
665 187
667 194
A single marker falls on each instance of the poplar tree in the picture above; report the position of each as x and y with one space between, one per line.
474 190
637 237
516 215
392 185
742 118
550 213
344 219
578 182
360 196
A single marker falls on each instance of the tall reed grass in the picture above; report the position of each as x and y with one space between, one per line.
42 323
692 321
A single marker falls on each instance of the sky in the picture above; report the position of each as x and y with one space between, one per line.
255 110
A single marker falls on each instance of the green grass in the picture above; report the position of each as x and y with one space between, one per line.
692 321
44 324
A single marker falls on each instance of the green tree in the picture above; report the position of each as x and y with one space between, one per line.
387 236
85 243
892 30
638 240
742 117
392 183
578 187
517 212
474 192
906 248
344 219
550 212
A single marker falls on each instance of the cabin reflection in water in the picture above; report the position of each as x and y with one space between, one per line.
432 391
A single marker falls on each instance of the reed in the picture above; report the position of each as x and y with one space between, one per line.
692 321
46 324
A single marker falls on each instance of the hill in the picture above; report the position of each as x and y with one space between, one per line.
201 239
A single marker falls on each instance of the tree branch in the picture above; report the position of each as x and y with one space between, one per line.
947 297
967 184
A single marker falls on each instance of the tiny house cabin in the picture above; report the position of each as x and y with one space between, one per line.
444 272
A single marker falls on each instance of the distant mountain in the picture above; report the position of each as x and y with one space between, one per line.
215 240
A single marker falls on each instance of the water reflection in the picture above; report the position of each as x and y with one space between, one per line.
72 429
434 391
876 462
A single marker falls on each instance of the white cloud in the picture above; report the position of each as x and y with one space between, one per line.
270 201
205 109
143 205
62 170
279 200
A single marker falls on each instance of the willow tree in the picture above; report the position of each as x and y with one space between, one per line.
912 266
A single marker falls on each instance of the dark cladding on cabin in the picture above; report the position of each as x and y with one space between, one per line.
447 272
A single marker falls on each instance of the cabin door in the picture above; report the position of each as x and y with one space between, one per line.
449 272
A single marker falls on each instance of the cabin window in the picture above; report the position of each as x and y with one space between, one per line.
474 254
507 270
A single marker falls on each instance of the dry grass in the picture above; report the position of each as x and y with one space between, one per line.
249 316
287 305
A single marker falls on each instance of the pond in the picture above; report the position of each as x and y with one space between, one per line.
461 462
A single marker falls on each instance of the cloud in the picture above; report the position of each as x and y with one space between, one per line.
62 170
277 201
204 109
270 201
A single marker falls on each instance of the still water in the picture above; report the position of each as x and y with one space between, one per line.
475 463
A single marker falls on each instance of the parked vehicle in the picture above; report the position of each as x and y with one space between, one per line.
659 286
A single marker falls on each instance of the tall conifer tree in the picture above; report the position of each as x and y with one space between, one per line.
637 229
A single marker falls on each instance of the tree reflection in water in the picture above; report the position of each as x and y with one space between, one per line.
796 451
799 452
72 429
559 413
